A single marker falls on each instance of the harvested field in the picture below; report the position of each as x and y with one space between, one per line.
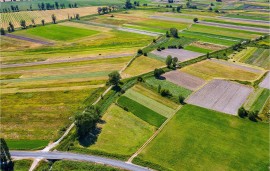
61 14
206 45
211 69
183 79
266 82
181 54
220 95
242 67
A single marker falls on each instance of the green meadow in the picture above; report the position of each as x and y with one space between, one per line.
201 139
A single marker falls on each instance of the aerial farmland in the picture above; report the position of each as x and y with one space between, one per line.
135 85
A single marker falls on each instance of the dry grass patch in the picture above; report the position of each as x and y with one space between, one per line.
210 46
209 70
141 65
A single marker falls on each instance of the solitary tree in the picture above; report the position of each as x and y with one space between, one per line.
5 158
195 20
174 61
54 19
242 112
169 61
178 9
114 78
77 17
181 99
86 121
23 24
43 22
174 32
99 9
140 52
128 4
33 22
11 26
208 55
158 72
3 31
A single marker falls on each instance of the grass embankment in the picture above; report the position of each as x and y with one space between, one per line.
208 140
27 144
22 165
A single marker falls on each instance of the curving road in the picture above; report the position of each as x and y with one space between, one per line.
79 157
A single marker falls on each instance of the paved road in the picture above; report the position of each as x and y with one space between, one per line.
79 157
64 60
28 39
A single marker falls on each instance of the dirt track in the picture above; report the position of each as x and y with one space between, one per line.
28 39
63 61
183 79
221 95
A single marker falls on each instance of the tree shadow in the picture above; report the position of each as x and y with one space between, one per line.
92 137
161 78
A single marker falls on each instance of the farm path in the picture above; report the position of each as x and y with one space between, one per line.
28 39
152 137
78 157
64 60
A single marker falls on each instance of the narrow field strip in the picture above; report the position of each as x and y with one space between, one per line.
149 103
141 111
18 90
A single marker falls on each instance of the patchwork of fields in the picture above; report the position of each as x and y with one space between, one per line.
158 114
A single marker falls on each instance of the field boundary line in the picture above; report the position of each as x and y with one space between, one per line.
152 137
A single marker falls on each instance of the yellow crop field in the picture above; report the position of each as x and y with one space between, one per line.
61 14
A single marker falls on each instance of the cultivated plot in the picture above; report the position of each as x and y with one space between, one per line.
266 82
183 79
221 95
211 69
181 54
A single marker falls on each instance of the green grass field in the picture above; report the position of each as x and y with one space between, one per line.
149 103
201 139
76 166
48 112
197 49
58 32
210 38
155 96
141 111
22 165
173 88
27 144
127 131
260 101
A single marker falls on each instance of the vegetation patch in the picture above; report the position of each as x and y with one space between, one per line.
141 111
209 140
27 144
149 103
22 165
59 32
127 131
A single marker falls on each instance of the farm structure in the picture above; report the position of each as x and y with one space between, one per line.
181 54
221 95
183 79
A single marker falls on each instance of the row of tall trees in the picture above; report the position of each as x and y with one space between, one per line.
106 10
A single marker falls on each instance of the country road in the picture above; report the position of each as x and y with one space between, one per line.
79 157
